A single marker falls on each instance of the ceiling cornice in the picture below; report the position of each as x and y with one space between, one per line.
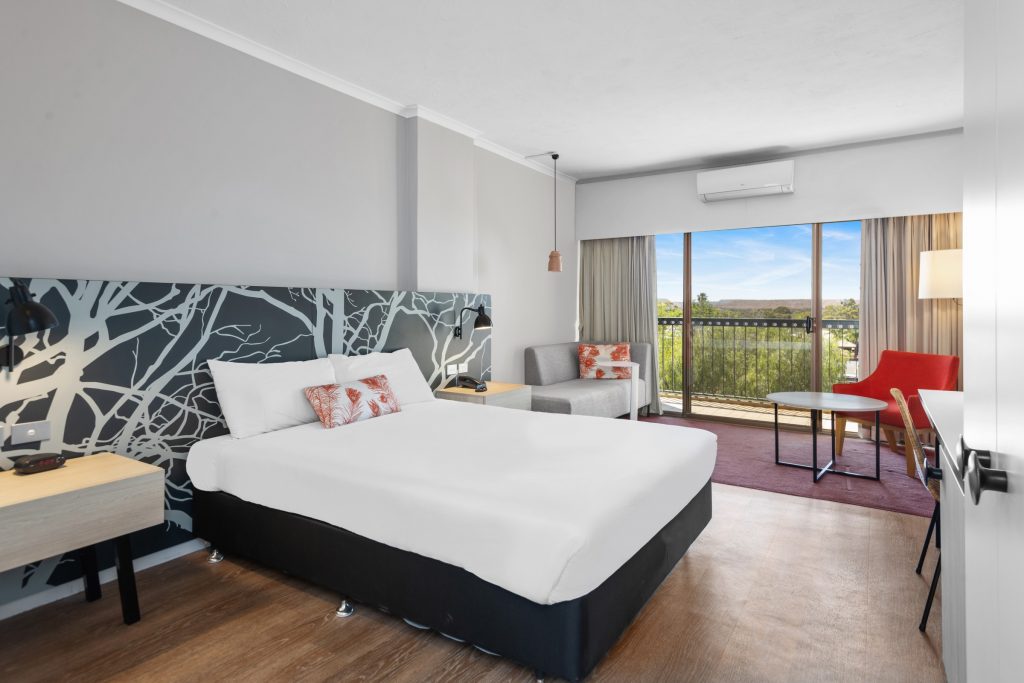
419 111
219 34
535 164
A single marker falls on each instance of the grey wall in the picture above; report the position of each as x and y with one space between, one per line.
446 206
133 149
514 216
437 207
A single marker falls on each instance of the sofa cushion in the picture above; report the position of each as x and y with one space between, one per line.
607 398
592 356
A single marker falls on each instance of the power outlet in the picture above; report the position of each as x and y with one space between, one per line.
453 369
463 367
30 432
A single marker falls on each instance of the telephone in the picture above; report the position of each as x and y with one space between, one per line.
468 382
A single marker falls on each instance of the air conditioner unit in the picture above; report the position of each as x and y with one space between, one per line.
738 182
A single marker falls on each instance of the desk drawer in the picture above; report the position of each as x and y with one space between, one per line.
36 529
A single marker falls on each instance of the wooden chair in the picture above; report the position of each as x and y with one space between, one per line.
908 372
930 477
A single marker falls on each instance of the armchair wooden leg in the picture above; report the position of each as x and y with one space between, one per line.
839 425
911 465
890 438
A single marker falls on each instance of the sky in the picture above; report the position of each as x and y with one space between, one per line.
762 263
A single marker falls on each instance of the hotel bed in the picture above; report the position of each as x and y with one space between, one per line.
531 535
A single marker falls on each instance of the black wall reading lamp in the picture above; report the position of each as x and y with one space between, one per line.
482 322
25 317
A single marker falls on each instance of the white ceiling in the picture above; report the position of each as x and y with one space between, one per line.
623 86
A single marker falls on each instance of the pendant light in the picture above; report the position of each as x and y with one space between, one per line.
555 257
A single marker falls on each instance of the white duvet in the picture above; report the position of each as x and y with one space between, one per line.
546 506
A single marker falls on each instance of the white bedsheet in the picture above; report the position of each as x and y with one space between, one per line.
546 506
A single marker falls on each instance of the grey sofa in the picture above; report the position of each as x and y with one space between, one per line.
554 372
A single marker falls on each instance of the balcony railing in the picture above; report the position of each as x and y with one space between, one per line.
743 359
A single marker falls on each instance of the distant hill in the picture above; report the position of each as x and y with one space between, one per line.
760 304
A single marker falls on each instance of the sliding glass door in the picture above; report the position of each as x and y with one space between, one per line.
752 301
743 313
840 305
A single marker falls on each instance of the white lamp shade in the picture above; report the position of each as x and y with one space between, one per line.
941 274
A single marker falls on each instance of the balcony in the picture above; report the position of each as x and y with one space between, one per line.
738 361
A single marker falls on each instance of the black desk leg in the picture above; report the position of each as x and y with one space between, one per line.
90 573
126 580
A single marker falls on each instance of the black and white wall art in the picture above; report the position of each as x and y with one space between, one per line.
126 370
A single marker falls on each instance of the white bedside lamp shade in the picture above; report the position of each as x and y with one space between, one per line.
941 274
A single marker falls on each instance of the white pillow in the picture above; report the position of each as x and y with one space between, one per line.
400 367
264 397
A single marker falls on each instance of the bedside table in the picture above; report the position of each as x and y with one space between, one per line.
91 499
519 396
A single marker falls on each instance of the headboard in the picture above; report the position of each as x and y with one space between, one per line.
126 370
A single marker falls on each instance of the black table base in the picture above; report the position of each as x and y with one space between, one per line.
816 472
125 577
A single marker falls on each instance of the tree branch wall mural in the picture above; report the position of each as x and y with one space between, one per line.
126 371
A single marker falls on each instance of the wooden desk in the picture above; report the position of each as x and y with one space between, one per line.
502 394
91 499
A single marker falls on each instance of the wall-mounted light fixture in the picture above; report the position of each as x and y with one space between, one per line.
482 322
25 317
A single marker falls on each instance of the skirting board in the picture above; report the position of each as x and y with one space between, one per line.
106 576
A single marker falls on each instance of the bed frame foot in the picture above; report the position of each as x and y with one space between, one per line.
345 609
215 556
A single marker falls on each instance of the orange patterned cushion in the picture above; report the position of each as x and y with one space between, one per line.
342 404
592 355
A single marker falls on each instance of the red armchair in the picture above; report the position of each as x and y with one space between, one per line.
908 372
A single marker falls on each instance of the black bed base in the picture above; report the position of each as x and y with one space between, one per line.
566 639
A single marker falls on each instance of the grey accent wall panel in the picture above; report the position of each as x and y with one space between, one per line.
126 371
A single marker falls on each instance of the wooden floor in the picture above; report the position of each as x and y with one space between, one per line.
777 588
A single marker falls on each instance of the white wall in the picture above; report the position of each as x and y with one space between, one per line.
133 149
514 217
898 178
993 334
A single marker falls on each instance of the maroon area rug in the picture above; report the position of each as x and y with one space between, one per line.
746 457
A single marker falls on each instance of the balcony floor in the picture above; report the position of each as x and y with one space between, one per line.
750 411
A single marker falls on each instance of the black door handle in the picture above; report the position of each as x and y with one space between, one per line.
981 478
808 324
984 457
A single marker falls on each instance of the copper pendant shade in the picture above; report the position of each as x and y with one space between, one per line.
555 257
555 262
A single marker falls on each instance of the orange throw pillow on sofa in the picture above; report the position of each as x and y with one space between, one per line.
593 355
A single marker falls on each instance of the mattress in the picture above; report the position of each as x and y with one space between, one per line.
546 506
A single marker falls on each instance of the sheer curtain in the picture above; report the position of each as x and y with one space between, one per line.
891 315
618 296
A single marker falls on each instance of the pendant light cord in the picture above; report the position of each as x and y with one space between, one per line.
554 158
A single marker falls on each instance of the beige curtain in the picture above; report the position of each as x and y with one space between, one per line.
891 315
618 296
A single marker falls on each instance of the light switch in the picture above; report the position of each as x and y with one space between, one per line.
30 432
453 369
463 367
